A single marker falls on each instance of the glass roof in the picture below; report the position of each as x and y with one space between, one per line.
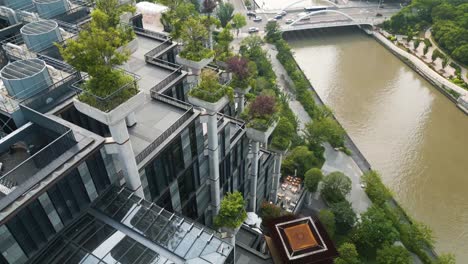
122 228
188 240
91 241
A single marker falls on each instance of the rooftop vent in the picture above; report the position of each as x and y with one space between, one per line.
25 78
19 4
51 8
41 35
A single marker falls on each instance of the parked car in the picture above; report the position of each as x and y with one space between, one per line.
378 15
251 14
253 29
257 19
277 17
289 21
283 13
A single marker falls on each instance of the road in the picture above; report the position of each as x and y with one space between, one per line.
358 12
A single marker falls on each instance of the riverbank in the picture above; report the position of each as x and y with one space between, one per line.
456 94
393 210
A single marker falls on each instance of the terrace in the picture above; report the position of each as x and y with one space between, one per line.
31 148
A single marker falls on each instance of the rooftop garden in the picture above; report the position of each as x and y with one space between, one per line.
232 212
98 51
194 35
261 113
209 89
242 71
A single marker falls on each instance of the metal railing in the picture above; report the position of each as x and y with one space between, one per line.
151 34
166 81
40 159
110 101
170 131
157 50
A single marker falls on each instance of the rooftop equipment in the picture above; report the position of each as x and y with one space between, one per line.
25 78
51 8
19 4
41 35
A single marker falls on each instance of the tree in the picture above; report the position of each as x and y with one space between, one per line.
95 52
336 186
113 9
426 49
238 22
222 48
327 218
374 230
323 130
393 255
312 178
262 106
375 189
300 159
194 34
273 33
239 66
225 13
269 211
232 212
348 254
445 259
209 6
177 15
345 217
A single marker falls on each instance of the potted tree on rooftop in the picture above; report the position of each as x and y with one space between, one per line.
195 55
241 70
209 93
261 116
231 215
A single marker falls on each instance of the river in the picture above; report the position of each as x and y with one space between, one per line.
412 134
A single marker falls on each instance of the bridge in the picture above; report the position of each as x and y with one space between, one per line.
342 19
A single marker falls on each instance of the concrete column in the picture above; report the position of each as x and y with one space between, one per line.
213 155
241 102
119 133
276 177
130 120
254 176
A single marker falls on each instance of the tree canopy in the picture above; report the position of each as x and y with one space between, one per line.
348 254
232 212
336 186
312 178
225 13
327 218
324 130
345 217
449 21
300 159
374 230
393 255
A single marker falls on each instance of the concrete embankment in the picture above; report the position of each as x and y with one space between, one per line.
442 84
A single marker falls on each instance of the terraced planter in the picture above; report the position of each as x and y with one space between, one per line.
194 66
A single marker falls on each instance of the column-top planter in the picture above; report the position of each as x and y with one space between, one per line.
259 135
242 91
195 66
213 107
116 114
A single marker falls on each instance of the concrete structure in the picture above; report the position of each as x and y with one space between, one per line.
211 120
25 78
195 67
116 120
241 98
41 35
257 137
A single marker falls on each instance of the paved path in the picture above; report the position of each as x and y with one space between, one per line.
334 160
464 71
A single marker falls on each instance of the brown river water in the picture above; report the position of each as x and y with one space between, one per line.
411 133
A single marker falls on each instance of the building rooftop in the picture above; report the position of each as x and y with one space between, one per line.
123 228
302 240
150 74
153 119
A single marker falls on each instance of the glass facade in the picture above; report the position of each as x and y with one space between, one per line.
32 228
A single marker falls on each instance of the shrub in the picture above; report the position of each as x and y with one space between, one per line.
300 159
209 89
312 178
348 254
375 189
232 212
327 218
345 217
269 211
393 255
